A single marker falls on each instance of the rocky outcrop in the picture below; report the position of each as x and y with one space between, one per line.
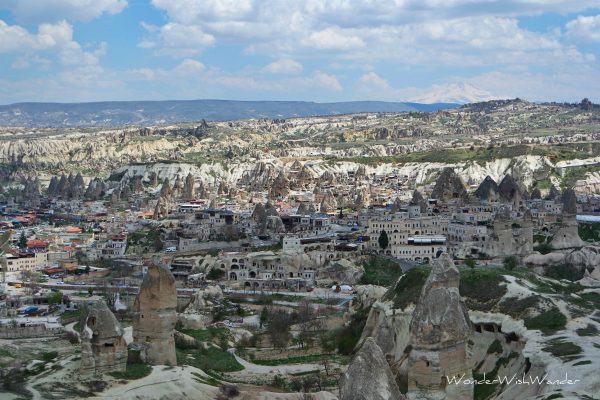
449 186
281 186
567 236
440 329
103 346
487 190
67 187
397 205
361 172
553 193
329 203
189 189
418 200
369 376
508 188
95 191
569 202
155 316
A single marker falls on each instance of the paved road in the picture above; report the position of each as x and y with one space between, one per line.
328 294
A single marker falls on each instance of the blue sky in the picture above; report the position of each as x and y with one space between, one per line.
334 50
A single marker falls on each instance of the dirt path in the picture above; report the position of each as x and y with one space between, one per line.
274 369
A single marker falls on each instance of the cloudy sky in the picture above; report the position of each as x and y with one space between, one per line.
321 50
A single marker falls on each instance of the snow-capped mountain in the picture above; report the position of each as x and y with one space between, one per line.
461 93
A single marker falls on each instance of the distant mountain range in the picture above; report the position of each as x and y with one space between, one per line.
118 113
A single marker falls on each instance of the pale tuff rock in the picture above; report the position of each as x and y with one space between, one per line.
361 172
305 177
103 346
449 186
189 190
177 187
281 185
162 209
327 178
567 236
155 316
487 190
369 377
440 329
329 203
202 191
165 190
137 184
153 179
508 238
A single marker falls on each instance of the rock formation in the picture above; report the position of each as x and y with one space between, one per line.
397 205
281 186
329 203
103 346
155 316
369 376
440 330
417 199
361 172
449 186
189 190
553 193
567 236
487 190
508 188
95 191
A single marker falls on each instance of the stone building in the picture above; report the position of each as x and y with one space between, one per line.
103 346
440 330
155 316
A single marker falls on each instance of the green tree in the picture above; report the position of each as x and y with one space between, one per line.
264 316
22 240
55 298
469 262
510 263
383 240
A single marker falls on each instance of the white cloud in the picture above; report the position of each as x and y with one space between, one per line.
283 66
179 40
57 37
334 38
327 80
585 28
56 10
371 81
189 67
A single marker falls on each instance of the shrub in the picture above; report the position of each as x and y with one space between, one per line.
548 322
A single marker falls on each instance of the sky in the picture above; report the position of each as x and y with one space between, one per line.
312 50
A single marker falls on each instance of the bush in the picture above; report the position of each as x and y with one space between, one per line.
510 263
495 347
408 288
215 274
549 322
564 271
380 271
